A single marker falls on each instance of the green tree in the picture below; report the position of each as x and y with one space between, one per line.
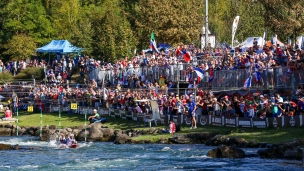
174 22
28 17
20 47
284 17
113 36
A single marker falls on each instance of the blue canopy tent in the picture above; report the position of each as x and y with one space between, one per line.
59 46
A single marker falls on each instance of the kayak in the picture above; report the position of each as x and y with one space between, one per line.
75 145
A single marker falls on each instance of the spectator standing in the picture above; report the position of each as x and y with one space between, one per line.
191 112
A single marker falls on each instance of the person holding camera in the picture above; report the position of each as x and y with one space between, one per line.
226 103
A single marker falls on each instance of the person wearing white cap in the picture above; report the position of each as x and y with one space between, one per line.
95 117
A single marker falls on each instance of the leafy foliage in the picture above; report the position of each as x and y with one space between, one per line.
112 29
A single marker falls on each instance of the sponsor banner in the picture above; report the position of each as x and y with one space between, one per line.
203 120
163 120
140 117
259 123
123 114
129 115
217 120
112 113
65 108
54 108
292 121
230 122
244 122
85 110
275 122
178 119
103 111
117 113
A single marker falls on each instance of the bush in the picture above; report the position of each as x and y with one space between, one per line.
37 72
22 76
5 76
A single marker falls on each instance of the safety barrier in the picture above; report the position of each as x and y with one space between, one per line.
202 120
272 78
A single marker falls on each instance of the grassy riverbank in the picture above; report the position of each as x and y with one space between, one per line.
269 135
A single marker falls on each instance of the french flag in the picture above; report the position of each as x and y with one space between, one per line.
247 83
186 56
153 43
200 74
257 73
210 76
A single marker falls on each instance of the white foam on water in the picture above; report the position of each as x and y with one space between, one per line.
22 142
1 166
202 157
166 149
184 149
28 167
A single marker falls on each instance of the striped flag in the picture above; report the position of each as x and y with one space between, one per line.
153 43
247 83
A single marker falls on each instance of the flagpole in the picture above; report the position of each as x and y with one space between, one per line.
206 23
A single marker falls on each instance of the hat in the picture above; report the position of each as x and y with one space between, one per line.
94 110
261 96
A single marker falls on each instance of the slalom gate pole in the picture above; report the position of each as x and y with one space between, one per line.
59 118
85 126
40 120
17 123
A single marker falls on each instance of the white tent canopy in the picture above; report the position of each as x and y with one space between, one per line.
249 42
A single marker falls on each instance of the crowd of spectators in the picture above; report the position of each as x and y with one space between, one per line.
126 89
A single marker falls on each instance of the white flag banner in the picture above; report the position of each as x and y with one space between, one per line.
234 27
264 37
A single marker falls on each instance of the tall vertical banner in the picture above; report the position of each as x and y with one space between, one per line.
234 27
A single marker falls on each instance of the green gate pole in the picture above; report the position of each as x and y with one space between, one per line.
59 119
17 123
40 120
85 126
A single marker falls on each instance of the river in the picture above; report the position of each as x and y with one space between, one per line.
108 156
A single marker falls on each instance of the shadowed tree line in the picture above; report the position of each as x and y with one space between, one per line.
113 29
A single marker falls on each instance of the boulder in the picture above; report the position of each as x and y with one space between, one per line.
122 139
107 132
22 131
52 127
180 139
5 131
8 125
9 147
82 134
69 129
95 134
268 153
201 137
48 134
293 154
217 140
226 152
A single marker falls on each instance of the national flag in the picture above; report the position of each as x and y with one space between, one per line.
199 72
247 83
257 73
186 56
153 43
210 76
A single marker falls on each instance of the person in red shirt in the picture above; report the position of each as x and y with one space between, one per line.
7 113
172 128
